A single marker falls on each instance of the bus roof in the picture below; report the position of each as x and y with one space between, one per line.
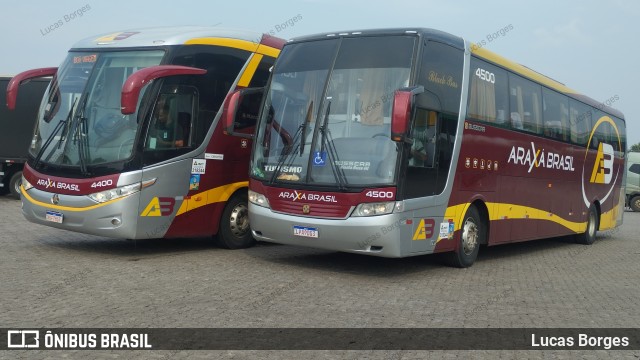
483 53
163 36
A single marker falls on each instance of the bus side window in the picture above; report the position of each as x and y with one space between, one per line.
580 122
423 133
526 102
555 108
435 120
488 95
171 122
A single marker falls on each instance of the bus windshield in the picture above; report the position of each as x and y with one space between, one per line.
327 113
79 122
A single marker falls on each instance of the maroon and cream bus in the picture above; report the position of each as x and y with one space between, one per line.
405 142
129 142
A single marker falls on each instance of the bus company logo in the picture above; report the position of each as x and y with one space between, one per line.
159 206
295 196
48 183
603 166
535 158
602 169
425 229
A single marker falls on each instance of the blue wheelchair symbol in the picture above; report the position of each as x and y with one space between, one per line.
319 158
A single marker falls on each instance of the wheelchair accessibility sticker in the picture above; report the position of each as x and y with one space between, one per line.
319 158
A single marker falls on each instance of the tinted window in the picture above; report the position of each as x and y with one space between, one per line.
171 124
635 168
622 129
223 66
262 72
555 108
488 94
435 121
579 122
526 104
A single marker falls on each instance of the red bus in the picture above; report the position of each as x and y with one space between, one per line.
128 142
405 142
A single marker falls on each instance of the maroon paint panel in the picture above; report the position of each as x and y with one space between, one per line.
69 186
319 203
232 168
203 221
497 165
272 41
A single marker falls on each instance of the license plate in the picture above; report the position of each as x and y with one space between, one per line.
305 231
54 216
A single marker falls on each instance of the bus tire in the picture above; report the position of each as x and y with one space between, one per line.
589 236
634 203
14 185
234 225
472 234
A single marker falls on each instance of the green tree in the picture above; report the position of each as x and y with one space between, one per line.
635 147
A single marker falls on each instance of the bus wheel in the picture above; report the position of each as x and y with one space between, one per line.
234 225
634 203
471 236
14 185
589 236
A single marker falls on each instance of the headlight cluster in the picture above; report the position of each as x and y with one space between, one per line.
108 195
373 209
25 184
258 199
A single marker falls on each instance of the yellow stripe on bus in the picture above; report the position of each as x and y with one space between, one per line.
65 208
504 211
215 195
236 44
247 75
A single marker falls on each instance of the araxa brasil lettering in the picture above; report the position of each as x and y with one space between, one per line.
295 196
48 183
539 158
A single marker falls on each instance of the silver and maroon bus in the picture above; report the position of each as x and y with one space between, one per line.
128 141
413 141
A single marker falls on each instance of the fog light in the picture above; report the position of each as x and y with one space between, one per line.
116 221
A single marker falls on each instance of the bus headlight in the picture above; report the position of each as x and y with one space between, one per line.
258 199
108 195
373 209
25 184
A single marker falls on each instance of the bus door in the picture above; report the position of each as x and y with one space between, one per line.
169 134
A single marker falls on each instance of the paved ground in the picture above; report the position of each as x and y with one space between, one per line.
53 278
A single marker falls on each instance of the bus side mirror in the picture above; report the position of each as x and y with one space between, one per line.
241 110
16 81
401 111
139 79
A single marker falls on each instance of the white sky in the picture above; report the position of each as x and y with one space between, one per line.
588 45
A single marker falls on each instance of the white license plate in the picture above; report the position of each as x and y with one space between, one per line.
54 216
305 231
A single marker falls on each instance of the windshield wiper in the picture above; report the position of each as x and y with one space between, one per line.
327 141
307 120
47 142
81 135
299 136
